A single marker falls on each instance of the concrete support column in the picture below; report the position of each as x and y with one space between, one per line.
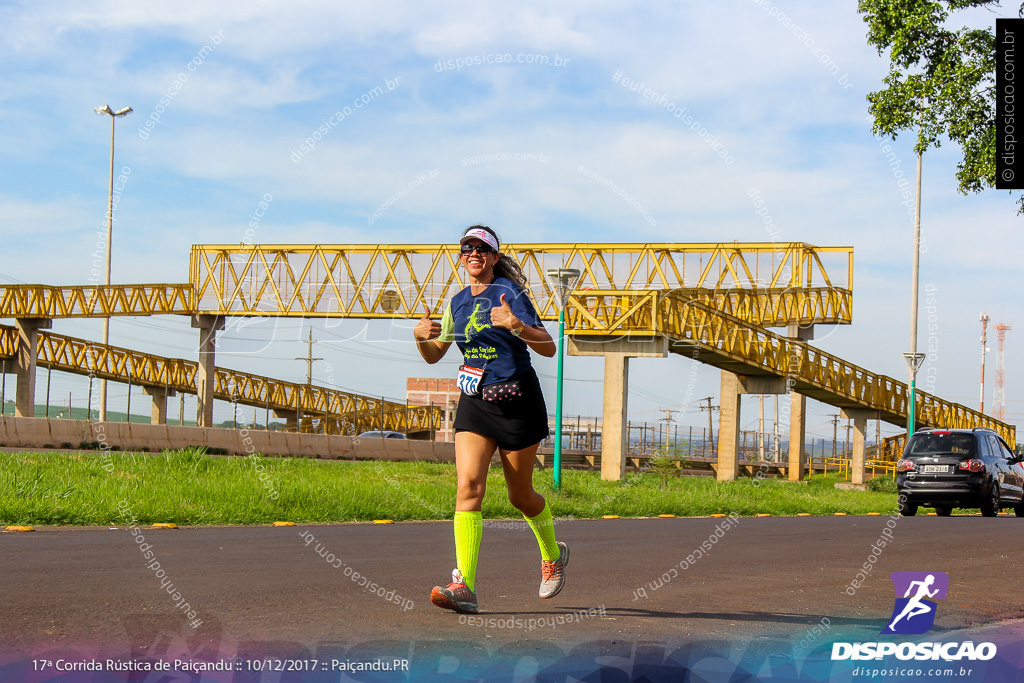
208 325
616 351
158 413
291 418
25 369
729 427
860 423
797 407
797 434
614 439
733 387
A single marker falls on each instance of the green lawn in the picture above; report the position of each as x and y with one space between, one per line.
189 488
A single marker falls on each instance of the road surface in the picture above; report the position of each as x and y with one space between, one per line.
744 589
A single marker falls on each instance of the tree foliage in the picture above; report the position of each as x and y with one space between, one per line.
941 81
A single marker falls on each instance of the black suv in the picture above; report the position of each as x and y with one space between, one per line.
947 468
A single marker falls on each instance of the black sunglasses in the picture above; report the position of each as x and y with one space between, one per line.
478 248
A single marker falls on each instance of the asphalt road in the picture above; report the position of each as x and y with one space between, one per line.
266 590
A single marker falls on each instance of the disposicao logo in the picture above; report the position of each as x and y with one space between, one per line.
914 612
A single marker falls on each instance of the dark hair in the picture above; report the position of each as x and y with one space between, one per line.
506 267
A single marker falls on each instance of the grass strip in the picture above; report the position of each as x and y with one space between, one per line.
188 487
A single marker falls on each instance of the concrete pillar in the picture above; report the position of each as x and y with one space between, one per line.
728 427
616 351
25 367
206 372
860 423
733 387
797 411
614 439
797 434
158 413
800 332
291 419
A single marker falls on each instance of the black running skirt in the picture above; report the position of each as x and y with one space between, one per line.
514 424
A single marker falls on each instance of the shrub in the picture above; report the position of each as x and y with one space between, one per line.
882 485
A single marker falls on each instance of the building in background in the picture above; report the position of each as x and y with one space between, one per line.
435 391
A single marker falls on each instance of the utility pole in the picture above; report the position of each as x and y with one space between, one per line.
667 420
760 428
984 350
309 375
846 442
777 446
878 432
835 435
711 430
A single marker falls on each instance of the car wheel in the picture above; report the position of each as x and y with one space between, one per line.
990 506
907 509
1019 510
943 510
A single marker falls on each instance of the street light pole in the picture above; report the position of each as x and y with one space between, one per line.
984 349
563 281
914 359
105 109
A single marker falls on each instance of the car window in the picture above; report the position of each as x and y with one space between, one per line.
944 442
984 446
996 447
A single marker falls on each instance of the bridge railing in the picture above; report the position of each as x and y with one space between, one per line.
727 341
343 412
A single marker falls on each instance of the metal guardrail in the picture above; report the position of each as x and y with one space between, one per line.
843 465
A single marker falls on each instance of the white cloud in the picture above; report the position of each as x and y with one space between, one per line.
228 137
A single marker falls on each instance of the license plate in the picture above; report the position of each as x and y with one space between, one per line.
935 469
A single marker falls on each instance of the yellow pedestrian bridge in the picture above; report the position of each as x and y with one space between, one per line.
711 302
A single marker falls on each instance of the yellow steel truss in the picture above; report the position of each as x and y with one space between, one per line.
43 301
337 412
726 341
784 282
766 283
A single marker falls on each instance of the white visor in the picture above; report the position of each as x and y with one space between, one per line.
482 235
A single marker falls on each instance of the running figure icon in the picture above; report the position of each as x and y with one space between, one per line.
915 607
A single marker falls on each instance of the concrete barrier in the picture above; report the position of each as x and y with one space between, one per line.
35 432
422 450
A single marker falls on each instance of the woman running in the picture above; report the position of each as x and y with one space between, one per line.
495 325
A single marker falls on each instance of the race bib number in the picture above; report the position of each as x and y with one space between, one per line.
469 379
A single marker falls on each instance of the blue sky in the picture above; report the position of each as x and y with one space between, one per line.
778 86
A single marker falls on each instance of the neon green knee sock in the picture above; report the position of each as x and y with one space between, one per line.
469 527
544 528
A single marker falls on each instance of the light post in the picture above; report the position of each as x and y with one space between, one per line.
105 109
914 359
984 349
563 281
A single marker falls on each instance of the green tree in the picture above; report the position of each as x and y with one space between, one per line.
941 81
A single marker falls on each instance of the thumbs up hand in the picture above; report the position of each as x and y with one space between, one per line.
426 329
502 316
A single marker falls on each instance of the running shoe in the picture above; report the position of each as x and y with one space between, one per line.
455 596
552 573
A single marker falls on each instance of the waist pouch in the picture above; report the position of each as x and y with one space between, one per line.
500 392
